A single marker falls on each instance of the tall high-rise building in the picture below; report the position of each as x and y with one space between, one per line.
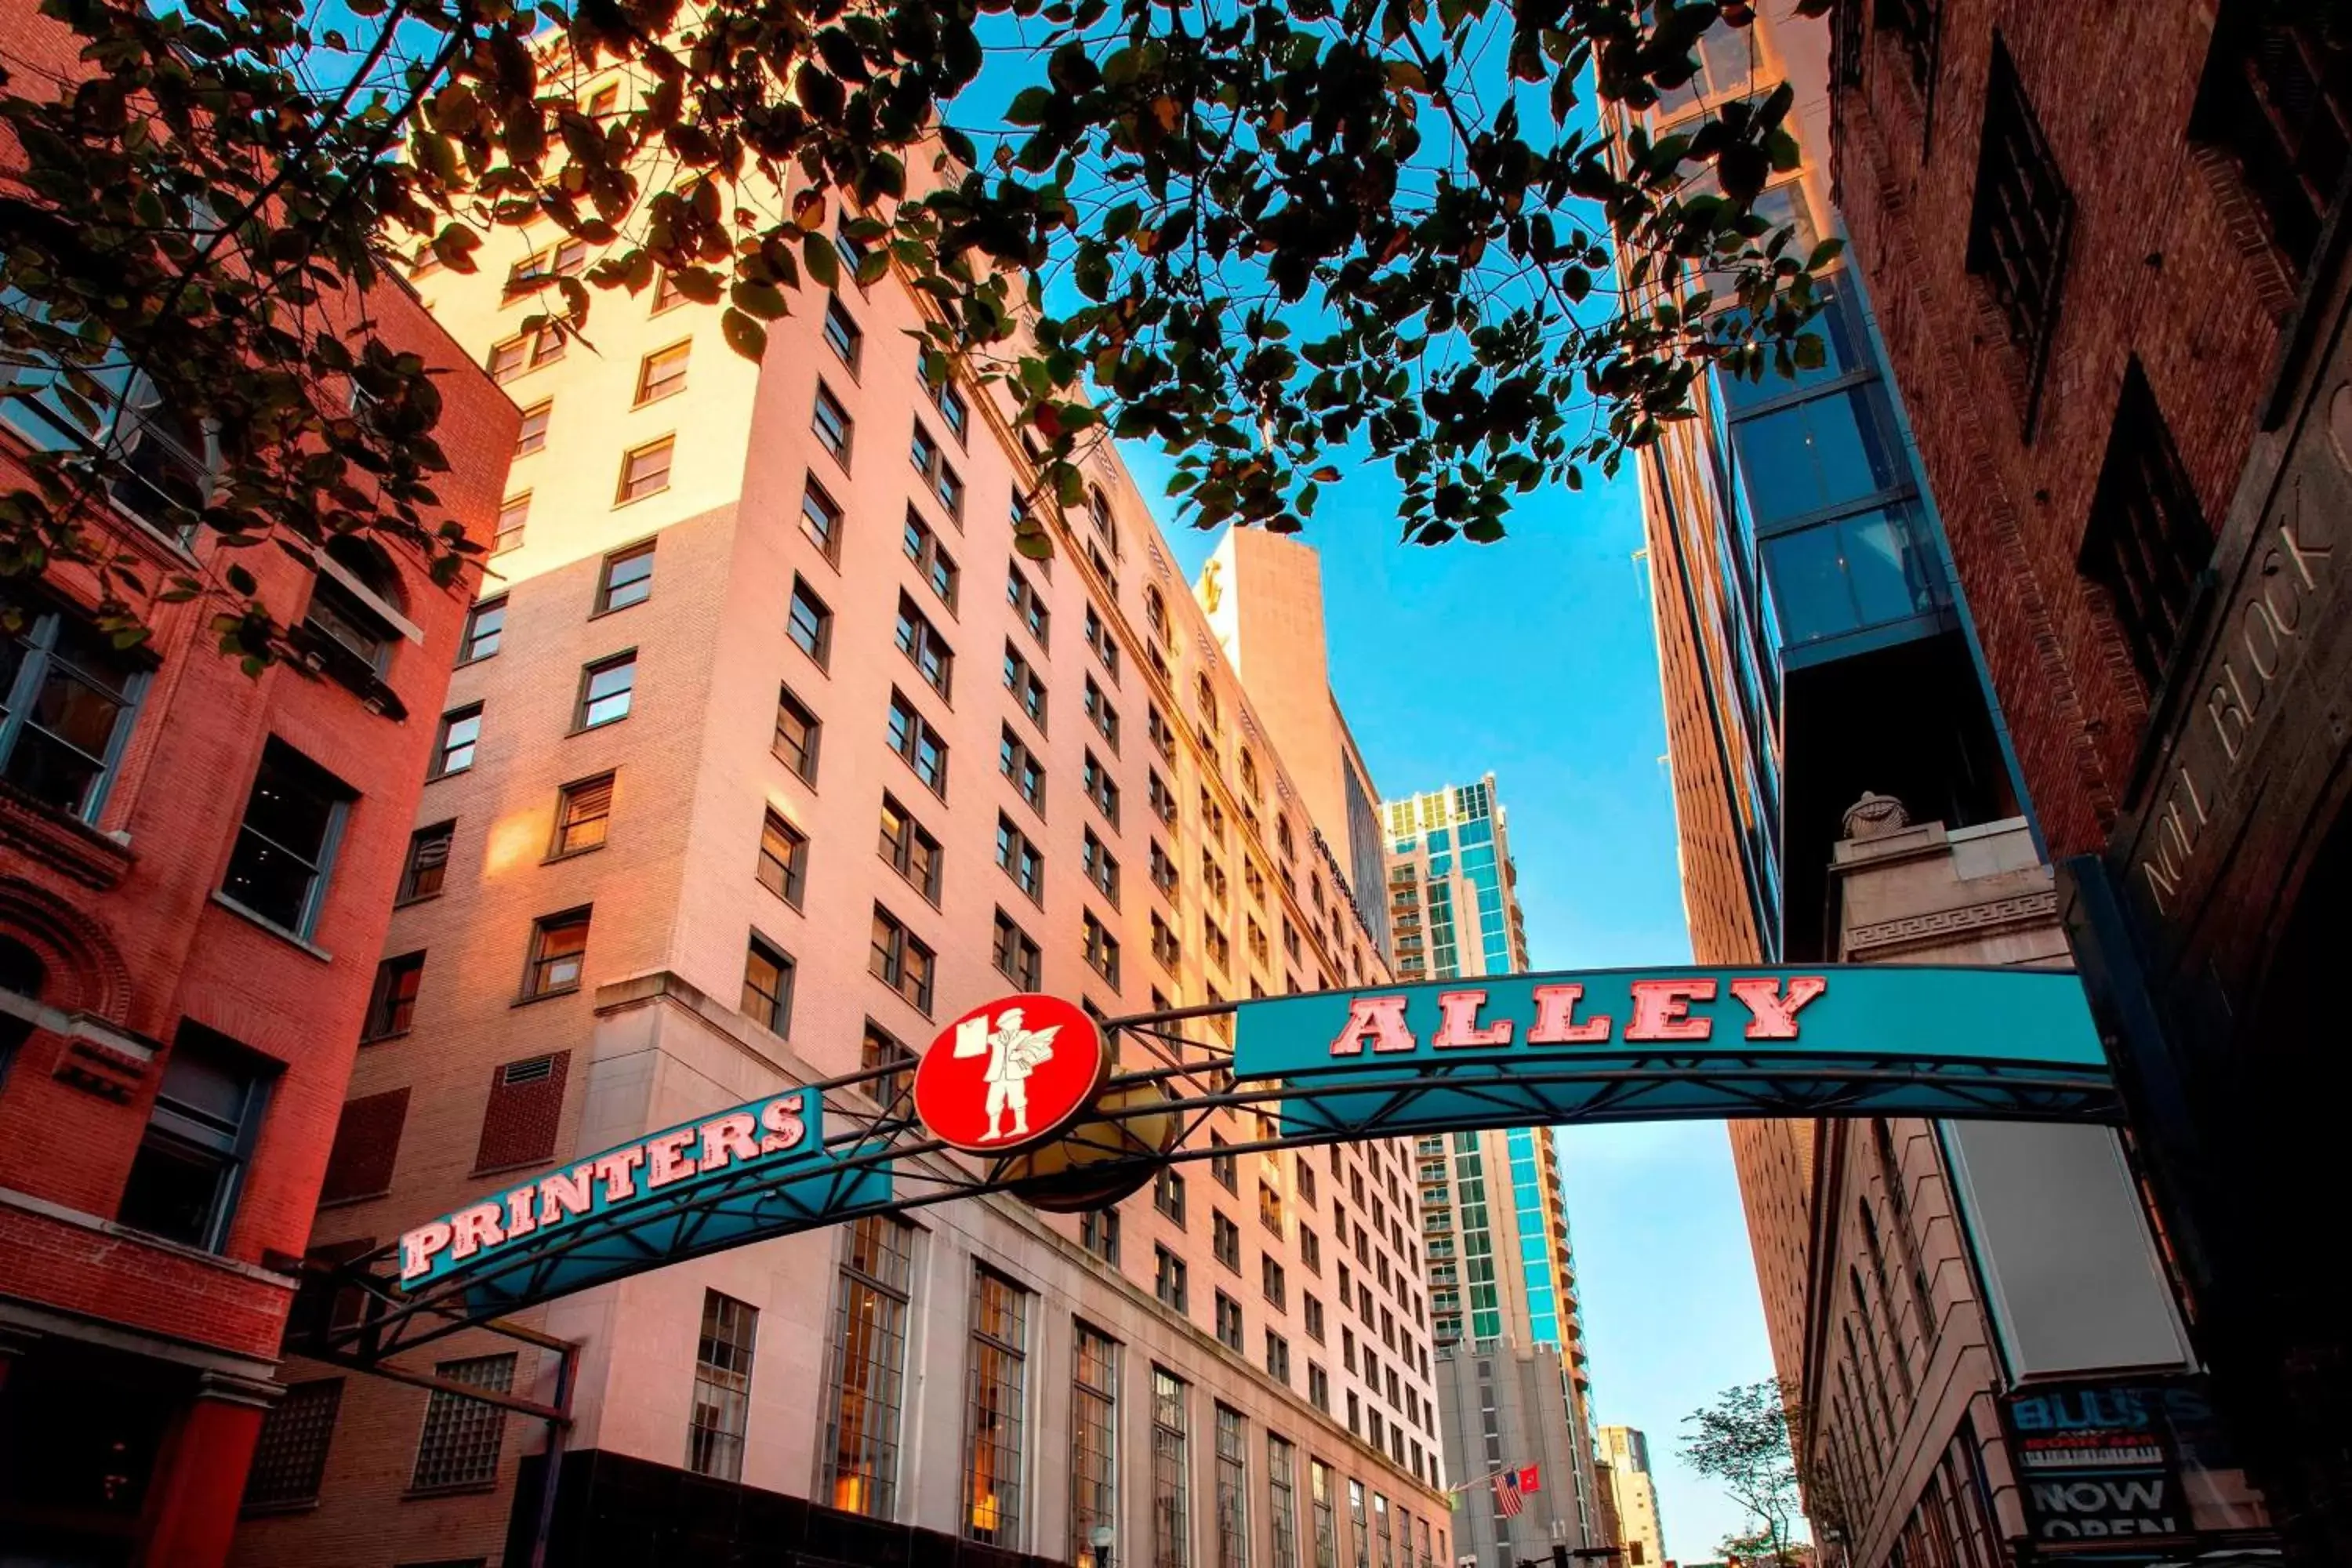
767 753
1625 1466
1453 887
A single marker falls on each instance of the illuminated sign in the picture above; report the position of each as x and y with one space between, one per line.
1011 1075
757 1168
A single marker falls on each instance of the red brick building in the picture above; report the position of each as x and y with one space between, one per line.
196 870
2107 247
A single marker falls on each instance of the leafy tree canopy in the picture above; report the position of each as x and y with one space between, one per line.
1264 235
1741 1441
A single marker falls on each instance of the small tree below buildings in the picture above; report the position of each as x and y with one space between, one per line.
1742 1442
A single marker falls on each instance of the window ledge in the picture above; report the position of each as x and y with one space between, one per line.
63 842
353 1200
269 1509
272 927
561 855
63 1214
530 997
388 1036
462 1488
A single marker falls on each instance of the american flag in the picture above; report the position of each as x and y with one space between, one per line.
1508 1500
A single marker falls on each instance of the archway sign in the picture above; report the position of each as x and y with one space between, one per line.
1030 1095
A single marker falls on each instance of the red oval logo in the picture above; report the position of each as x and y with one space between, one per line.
1011 1075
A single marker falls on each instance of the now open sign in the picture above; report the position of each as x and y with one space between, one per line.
2100 1461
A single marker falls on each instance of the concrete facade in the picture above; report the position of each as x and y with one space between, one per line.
1506 1407
1633 1494
180 1003
1043 773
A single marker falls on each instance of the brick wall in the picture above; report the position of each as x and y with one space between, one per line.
2165 261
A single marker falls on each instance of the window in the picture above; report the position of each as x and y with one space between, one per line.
1318 1388
67 698
461 1438
1270 1211
768 987
1226 1240
645 472
2148 541
1018 858
662 374
842 334
566 259
668 295
1168 1194
1229 1321
868 1359
809 623
913 853
428 861
1101 948
606 688
1164 871
392 1006
946 484
918 744
1307 1196
1212 876
1100 788
1281 1488
821 519
1274 1283
1027 603
531 435
1106 647
936 566
1094 1438
1155 725
559 950
1101 714
832 425
486 626
1257 933
881 1049
2018 227
993 1428
722 1387
1017 957
453 749
1162 799
797 732
1219 949
286 843
925 648
605 103
783 859
1163 944
1313 1311
290 1458
1863 570
1100 866
1099 1234
1022 682
514 516
2277 98
1171 1465
583 811
1168 1281
1277 1358
901 962
1014 760
517 355
184 1179
1204 704
1213 823
951 404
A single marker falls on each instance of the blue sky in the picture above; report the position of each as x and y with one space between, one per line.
1534 658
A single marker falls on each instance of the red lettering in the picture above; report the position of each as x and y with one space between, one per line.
784 1128
1775 1016
1379 1018
1556 1022
1459 1024
419 1245
616 1169
474 1229
665 1167
728 1138
518 1217
1661 1010
567 1193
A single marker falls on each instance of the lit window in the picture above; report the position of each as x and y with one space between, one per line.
797 732
867 1357
645 471
995 1423
911 851
392 1005
559 950
583 812
514 515
783 859
663 372
532 433
768 987
428 861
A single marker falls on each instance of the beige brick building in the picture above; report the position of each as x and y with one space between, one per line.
766 758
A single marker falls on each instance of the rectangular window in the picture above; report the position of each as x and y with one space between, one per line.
1014 760
422 873
1226 1168
662 374
1318 1388
286 843
517 355
1277 1358
936 566
868 1364
527 276
1312 1310
1099 1234
583 811
1233 1490
1163 945
722 1387
1162 799
918 743
1100 866
289 1460
1213 941
645 472
1027 603
1168 1279
531 435
1018 858
913 853
461 1438
832 425
925 648
453 749
901 962
668 295
2148 542
2277 98
1171 1464
1282 1498
821 519
185 1177
995 1426
1101 714
1106 645
1094 1439
809 623
392 1006
1226 1240
880 1048
1164 871
1026 689
514 517
842 334
1100 788
768 987
1272 1281
627 578
486 626
783 859
951 404
1168 1194
1017 956
2019 229
606 688
797 730
559 950
1318 1489
1101 948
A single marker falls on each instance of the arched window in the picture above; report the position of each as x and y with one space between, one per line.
346 618
23 973
1205 699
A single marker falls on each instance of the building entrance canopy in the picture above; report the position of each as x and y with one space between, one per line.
1029 1096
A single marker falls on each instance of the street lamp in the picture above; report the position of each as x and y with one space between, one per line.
1099 1537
